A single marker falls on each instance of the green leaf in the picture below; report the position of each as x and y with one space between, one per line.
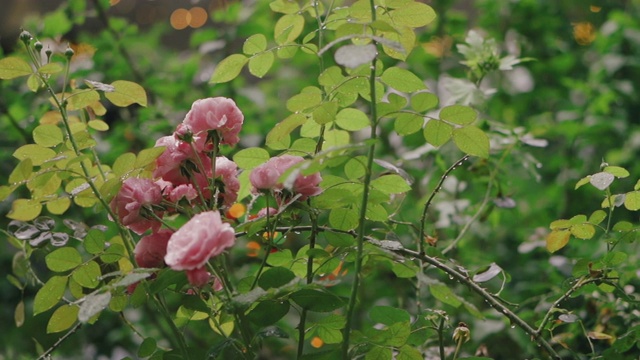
34 82
308 98
251 157
284 6
325 113
379 353
424 101
24 209
49 294
557 239
597 217
87 275
18 314
278 138
254 44
408 123
343 219
458 114
126 93
50 68
583 181
62 318
82 98
93 304
58 206
413 14
260 64
437 132
391 184
616 171
355 168
402 80
98 125
275 277
632 200
147 347
268 312
288 28
472 141
148 156
228 69
13 67
615 258
316 300
409 353
124 163
388 315
37 153
329 336
583 231
352 119
63 259
94 241
47 135
22 172
443 293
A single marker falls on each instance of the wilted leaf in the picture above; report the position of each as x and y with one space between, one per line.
601 180
487 273
352 56
92 305
557 239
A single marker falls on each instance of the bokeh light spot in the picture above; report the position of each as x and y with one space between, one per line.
584 32
180 19
199 17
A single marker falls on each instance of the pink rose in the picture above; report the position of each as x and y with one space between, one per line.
151 249
198 277
266 176
134 195
201 238
219 114
186 191
227 170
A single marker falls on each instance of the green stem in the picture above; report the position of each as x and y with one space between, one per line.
303 315
441 338
363 206
182 344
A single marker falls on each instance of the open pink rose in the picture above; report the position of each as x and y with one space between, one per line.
133 196
227 171
220 114
201 238
151 249
266 176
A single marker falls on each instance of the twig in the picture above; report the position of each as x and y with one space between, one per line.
57 343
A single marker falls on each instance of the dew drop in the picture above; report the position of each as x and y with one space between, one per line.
513 326
450 277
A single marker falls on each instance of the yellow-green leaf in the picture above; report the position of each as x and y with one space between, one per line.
58 206
260 64
25 210
18 314
13 67
409 123
632 200
423 101
98 125
437 132
583 231
413 14
126 93
87 275
62 318
251 157
148 156
228 69
50 68
81 98
63 259
22 172
352 119
288 28
458 114
254 44
278 137
557 239
472 141
47 135
402 80
325 113
49 294
37 153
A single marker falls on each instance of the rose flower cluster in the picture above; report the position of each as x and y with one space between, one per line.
190 179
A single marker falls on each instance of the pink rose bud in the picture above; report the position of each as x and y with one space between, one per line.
151 249
264 177
198 277
201 238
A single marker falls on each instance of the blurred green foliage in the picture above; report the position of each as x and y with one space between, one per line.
579 93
